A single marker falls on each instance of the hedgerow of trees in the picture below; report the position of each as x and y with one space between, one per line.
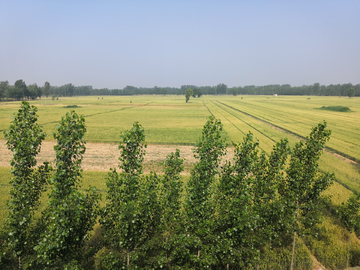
224 217
20 90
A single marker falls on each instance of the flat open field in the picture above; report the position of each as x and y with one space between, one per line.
167 120
169 123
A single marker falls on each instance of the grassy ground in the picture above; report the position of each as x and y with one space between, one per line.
4 192
167 120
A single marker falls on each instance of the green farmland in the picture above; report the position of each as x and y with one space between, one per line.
169 120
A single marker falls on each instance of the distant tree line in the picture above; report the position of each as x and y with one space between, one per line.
21 91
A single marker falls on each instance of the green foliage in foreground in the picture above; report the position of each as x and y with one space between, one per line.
56 237
131 213
24 138
350 215
335 108
70 213
247 217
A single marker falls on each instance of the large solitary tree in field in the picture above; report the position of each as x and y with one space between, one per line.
188 94
46 89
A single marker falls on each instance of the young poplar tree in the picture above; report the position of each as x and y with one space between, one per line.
172 189
132 212
269 173
235 207
304 183
199 205
248 202
24 139
170 198
70 214
350 214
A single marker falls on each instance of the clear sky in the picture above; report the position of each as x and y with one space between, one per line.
111 44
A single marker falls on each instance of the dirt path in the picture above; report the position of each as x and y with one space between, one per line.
103 156
316 264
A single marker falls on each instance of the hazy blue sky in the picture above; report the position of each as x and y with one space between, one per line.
170 43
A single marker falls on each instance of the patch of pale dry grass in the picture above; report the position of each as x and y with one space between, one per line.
103 156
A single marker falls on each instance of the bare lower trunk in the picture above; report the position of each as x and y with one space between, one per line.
257 266
293 253
19 263
128 259
348 253
227 267
198 253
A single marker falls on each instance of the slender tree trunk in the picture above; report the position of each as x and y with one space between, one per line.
167 254
293 249
19 263
293 253
348 253
128 259
257 266
198 253
227 267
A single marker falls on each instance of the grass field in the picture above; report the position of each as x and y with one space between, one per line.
169 120
298 115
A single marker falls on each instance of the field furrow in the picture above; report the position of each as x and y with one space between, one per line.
345 137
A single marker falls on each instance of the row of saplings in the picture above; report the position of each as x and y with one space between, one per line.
226 216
